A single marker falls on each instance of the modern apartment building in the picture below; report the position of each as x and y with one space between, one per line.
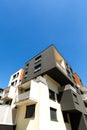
48 96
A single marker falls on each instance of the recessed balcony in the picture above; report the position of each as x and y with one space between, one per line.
8 93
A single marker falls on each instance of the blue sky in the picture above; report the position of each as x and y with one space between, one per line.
29 26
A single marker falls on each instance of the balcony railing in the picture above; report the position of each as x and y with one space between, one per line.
69 87
22 96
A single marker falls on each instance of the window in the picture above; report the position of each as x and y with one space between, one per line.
51 95
8 102
37 68
14 76
69 74
77 89
17 74
12 83
53 114
37 59
26 73
28 89
15 82
30 111
27 65
75 98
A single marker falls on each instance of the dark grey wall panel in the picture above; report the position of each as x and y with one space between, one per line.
77 121
71 103
47 63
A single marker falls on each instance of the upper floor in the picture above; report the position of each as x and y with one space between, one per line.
50 62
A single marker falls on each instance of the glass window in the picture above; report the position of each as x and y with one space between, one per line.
53 114
37 68
51 94
17 74
30 111
37 59
12 83
26 73
14 76
27 65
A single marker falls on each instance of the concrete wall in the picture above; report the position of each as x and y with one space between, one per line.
7 115
26 123
42 120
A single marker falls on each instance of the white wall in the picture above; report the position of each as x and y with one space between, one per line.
12 92
7 115
42 121
45 104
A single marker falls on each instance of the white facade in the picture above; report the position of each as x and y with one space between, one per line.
33 93
8 97
39 95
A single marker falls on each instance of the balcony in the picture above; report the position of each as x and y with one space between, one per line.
61 68
70 99
5 95
30 96
69 87
22 97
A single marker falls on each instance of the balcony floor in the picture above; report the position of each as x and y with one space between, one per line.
27 101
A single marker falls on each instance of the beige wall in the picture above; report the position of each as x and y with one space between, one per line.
42 112
26 123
